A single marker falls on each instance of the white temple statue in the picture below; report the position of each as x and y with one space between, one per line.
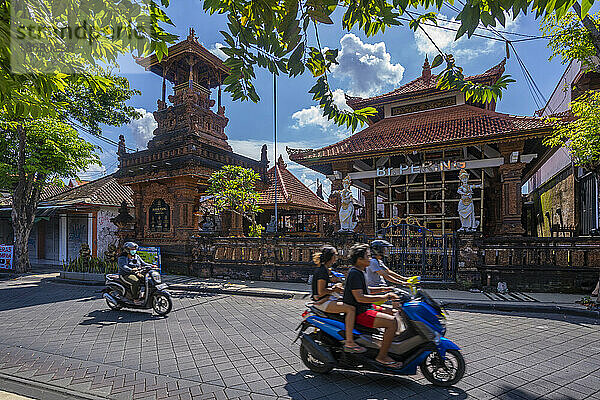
347 206
466 209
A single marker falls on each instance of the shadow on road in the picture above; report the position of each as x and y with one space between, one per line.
358 385
110 317
27 293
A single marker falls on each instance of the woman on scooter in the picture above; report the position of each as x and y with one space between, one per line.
325 298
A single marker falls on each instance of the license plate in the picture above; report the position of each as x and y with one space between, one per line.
161 286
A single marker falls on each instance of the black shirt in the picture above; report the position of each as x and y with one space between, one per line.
320 273
355 280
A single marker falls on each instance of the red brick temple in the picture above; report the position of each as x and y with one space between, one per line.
169 178
407 161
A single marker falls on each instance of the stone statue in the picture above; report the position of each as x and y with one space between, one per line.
346 207
271 225
111 253
208 225
121 149
263 154
466 209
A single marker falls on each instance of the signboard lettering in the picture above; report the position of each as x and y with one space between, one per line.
432 166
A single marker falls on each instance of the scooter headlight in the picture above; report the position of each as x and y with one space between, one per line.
156 276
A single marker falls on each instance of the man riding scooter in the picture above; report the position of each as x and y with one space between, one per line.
377 273
130 263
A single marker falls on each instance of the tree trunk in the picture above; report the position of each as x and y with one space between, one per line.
26 196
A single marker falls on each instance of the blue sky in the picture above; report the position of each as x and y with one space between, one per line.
368 66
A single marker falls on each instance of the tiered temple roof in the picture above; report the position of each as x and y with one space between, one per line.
291 192
429 119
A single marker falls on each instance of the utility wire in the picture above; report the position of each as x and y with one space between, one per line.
482 27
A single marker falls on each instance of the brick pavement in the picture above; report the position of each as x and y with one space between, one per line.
236 347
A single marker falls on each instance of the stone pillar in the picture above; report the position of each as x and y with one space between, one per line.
512 205
510 178
369 216
467 271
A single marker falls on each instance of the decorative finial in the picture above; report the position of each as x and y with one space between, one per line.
192 35
426 69
280 162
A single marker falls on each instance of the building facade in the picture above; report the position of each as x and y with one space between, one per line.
408 160
562 198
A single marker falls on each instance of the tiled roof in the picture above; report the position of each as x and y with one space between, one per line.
419 130
47 192
291 192
425 82
105 191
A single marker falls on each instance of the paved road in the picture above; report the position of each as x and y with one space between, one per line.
237 347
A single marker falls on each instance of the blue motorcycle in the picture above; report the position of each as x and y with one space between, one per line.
420 344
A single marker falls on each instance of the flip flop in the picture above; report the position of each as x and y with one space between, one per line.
354 349
390 364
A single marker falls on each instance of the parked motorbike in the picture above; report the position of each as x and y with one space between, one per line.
156 296
421 344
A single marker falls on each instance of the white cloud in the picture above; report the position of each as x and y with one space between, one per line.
313 117
216 50
141 129
251 148
93 172
464 47
367 67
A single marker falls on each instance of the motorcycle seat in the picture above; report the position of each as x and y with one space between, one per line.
341 318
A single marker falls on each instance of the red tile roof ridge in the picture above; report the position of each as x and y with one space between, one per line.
497 69
284 177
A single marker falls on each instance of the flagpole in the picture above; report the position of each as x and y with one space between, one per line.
275 141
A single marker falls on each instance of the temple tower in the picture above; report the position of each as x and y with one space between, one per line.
189 144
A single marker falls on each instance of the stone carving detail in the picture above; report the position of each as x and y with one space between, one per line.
160 216
346 213
466 209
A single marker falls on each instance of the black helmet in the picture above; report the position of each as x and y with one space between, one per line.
378 246
130 246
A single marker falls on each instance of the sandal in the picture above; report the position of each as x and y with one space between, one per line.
390 364
354 349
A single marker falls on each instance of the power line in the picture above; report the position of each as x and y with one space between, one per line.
482 27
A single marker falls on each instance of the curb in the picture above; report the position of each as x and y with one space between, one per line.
38 390
452 305
540 309
241 292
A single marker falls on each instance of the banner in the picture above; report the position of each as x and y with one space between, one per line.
6 257
150 255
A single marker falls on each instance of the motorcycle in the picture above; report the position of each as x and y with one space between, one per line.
420 344
155 295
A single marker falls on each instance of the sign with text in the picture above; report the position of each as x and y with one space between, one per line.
151 255
6 257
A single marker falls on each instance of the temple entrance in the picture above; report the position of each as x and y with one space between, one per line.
418 251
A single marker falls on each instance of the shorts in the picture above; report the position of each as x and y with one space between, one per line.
323 306
367 318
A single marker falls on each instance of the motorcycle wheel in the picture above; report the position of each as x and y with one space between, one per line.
444 372
161 303
113 306
312 363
